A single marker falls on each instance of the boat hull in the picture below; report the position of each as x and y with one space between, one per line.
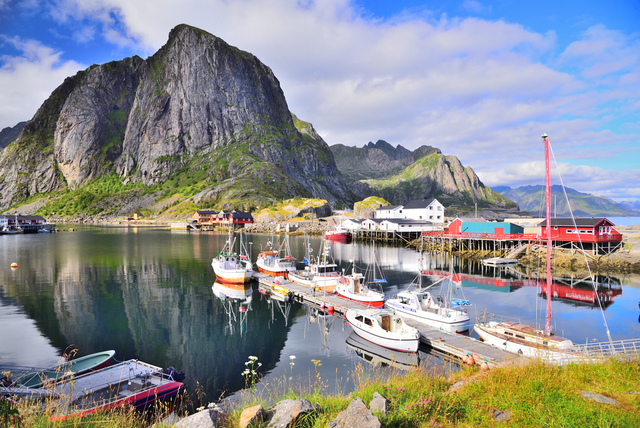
63 371
448 320
403 341
323 283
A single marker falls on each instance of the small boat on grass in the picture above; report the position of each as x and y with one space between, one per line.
60 372
383 327
130 383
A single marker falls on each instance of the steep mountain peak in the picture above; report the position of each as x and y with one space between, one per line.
199 115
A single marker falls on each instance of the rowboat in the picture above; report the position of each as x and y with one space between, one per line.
131 383
57 373
383 327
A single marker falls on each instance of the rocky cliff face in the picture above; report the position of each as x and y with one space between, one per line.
399 175
204 114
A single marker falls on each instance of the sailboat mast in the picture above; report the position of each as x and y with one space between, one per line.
547 328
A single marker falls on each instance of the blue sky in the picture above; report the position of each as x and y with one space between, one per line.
481 80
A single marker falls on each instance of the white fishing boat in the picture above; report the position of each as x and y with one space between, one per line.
230 266
320 273
385 328
363 288
443 311
277 262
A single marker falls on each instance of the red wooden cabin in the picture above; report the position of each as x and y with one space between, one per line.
598 234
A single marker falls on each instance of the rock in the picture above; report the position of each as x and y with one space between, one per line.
204 419
355 415
500 416
252 416
598 398
378 404
286 412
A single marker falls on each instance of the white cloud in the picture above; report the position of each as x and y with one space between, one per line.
39 69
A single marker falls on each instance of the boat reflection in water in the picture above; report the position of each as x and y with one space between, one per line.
236 301
324 321
379 356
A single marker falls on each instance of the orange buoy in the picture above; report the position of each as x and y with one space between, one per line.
330 310
14 265
470 360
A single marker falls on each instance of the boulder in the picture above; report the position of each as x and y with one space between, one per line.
252 416
355 415
378 404
286 412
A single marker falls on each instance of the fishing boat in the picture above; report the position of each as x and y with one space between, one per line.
383 327
526 340
66 370
230 266
320 273
363 288
131 383
272 263
12 229
442 311
340 234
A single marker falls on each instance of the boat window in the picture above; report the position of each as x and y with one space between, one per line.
519 336
368 322
359 318
508 333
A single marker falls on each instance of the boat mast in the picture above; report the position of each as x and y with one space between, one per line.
547 328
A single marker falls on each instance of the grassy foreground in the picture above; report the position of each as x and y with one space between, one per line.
532 395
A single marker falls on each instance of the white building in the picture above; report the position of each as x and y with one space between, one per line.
352 224
420 209
407 225
371 224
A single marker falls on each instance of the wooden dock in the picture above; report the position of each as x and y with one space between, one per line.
451 344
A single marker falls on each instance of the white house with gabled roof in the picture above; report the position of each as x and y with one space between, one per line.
419 209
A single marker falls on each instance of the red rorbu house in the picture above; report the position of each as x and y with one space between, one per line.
204 216
596 234
223 218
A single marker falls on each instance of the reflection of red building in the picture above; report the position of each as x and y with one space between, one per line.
598 234
582 292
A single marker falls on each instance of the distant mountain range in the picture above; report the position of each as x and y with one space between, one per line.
399 175
531 199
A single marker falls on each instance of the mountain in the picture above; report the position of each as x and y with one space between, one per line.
398 175
200 123
531 198
8 135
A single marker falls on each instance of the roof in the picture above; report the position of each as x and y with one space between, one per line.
206 212
353 220
418 203
406 221
579 222
389 207
376 220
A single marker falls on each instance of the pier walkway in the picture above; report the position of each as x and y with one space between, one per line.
450 344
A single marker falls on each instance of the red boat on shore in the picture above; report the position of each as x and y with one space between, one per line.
339 234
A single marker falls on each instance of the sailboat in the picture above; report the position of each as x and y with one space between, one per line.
365 289
527 340
230 266
443 312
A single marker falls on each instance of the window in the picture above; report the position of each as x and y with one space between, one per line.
571 231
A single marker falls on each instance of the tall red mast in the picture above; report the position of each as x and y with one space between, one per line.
547 328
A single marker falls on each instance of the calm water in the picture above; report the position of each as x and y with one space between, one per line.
151 294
